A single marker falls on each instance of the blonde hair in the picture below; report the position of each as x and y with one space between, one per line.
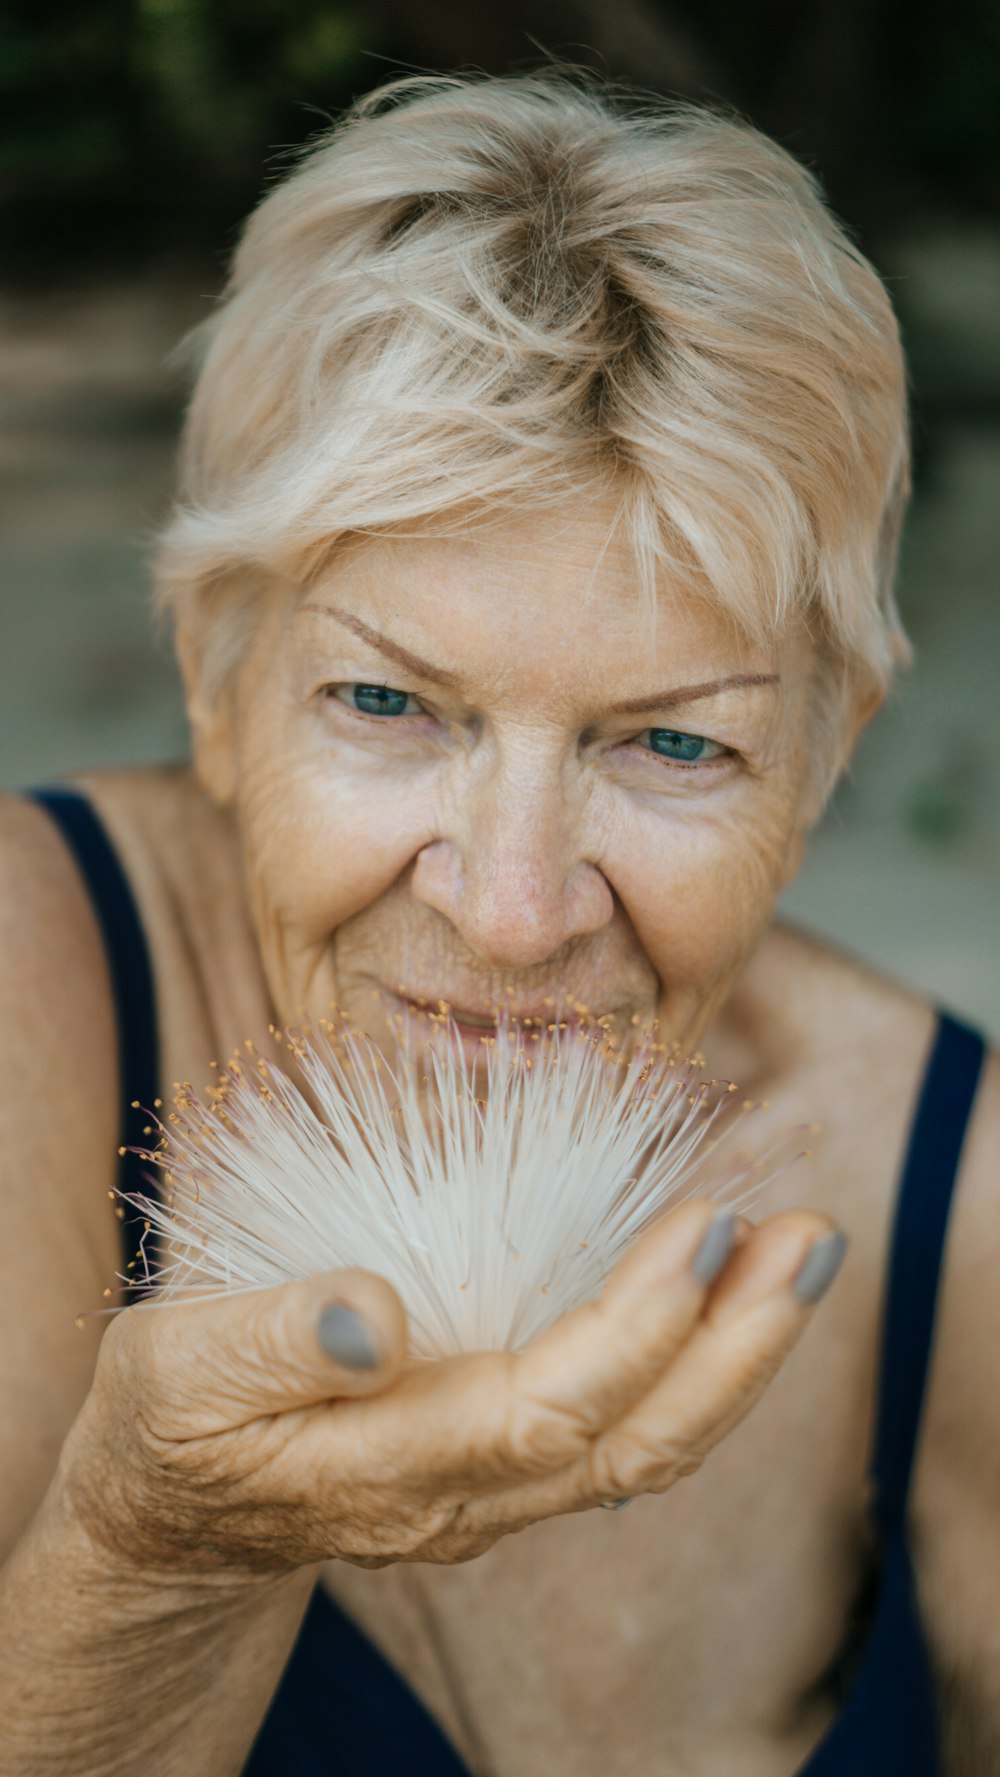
487 294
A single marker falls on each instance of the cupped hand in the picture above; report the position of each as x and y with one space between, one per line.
272 1430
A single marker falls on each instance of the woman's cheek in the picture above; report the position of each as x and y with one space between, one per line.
699 891
321 846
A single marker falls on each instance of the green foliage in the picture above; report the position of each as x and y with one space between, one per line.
160 109
135 123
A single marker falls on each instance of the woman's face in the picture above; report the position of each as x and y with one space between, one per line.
477 770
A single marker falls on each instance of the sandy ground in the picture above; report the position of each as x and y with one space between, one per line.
906 866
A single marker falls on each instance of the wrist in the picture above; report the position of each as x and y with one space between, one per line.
80 1625
91 1559
132 1522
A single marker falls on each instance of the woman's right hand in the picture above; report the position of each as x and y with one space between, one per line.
268 1431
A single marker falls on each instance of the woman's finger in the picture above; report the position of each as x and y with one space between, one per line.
737 1347
588 1369
741 1342
484 1421
336 1336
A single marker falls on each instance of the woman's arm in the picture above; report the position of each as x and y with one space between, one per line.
98 1673
101 1670
955 1511
60 1245
105 1672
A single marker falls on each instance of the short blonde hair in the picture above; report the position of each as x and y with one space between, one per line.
490 293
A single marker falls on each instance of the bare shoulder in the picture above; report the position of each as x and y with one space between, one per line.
965 1400
58 1131
59 1076
849 1037
871 1037
956 1524
859 1042
53 975
54 963
167 833
183 859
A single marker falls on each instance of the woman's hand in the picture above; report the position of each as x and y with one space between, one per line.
227 1434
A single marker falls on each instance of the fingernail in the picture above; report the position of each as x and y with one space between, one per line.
820 1266
347 1338
615 1505
715 1248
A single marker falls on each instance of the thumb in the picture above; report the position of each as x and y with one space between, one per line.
231 1359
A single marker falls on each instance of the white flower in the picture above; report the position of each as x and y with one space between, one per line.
493 1195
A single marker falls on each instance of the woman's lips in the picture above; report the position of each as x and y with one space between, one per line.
477 1022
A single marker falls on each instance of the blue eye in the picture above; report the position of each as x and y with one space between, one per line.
687 749
379 700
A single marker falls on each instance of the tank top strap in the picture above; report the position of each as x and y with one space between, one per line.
930 1168
131 984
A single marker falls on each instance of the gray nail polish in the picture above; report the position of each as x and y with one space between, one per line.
615 1505
347 1338
715 1248
820 1266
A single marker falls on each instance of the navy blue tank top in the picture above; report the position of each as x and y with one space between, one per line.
341 1710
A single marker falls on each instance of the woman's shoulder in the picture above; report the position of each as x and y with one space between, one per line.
151 815
868 1040
182 860
59 1119
51 954
160 821
841 984
834 1041
864 1041
874 1035
58 1036
151 820
812 1009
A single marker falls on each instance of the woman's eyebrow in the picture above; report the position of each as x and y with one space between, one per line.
414 663
681 694
438 675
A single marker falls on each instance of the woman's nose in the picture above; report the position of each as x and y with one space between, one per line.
511 875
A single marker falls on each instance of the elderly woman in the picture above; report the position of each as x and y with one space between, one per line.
531 576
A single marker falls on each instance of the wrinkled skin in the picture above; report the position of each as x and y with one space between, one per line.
278 1459
512 834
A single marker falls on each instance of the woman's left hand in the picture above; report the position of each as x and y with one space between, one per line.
675 1404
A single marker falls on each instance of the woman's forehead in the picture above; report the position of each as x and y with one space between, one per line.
564 582
581 535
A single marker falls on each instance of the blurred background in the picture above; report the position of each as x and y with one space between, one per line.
136 133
